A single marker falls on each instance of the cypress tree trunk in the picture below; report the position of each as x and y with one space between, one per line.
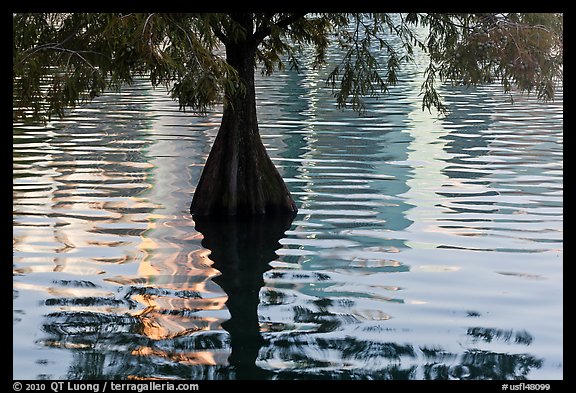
239 178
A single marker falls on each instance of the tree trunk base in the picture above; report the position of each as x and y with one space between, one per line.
239 179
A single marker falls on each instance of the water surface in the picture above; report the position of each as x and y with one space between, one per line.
424 247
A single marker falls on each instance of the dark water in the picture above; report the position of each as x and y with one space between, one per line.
424 248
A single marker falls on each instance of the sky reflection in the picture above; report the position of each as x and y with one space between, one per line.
423 249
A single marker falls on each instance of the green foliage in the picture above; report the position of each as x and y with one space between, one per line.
60 60
518 50
360 73
63 59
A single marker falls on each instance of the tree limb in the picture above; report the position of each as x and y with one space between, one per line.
264 31
217 32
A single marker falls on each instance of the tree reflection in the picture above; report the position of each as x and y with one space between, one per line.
394 361
109 346
241 250
116 346
159 327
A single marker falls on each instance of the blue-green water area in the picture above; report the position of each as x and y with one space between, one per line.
425 246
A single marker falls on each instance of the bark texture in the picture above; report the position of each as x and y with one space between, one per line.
239 178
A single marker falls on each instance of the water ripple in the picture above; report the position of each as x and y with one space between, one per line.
423 248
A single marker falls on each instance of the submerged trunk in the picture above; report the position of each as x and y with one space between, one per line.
239 178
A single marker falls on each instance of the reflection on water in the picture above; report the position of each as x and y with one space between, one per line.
423 248
241 251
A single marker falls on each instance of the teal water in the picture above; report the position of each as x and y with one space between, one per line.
424 247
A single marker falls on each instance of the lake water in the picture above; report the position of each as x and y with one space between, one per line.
424 247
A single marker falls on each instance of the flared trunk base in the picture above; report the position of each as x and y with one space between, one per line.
239 179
